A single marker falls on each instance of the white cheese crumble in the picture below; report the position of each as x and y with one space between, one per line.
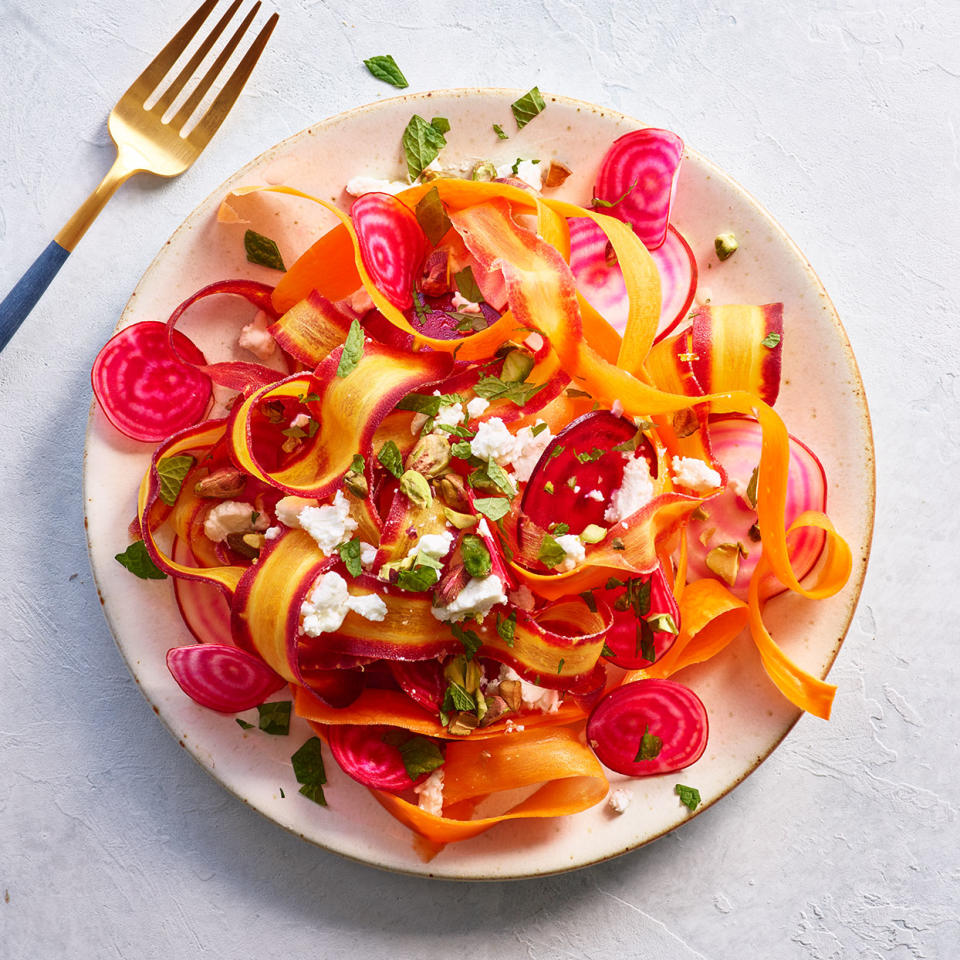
694 474
232 516
532 696
512 727
477 406
619 800
528 171
595 495
529 449
523 598
448 416
572 546
636 490
616 407
434 545
300 421
463 305
430 793
358 186
494 442
329 603
474 601
272 533
255 338
329 524
368 553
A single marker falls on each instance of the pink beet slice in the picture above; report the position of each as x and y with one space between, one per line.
202 605
222 677
392 245
364 754
422 681
578 461
624 638
736 443
660 709
146 391
638 176
677 267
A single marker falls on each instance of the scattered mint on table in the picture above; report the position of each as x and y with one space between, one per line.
275 717
309 770
352 350
422 144
527 107
385 68
136 559
498 130
441 125
262 250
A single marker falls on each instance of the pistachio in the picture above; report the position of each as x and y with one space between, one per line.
726 246
592 533
456 671
700 514
416 488
754 533
463 723
707 535
724 561
496 708
450 585
453 492
472 675
556 174
427 175
517 366
485 170
481 706
356 483
511 692
685 423
430 457
223 484
246 544
462 521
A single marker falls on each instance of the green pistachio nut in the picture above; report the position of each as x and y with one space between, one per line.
416 488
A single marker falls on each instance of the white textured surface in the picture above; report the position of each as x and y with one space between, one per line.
842 119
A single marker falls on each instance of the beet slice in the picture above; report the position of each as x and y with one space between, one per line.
146 391
594 435
392 245
422 681
222 677
624 638
364 754
678 271
337 688
638 176
663 709
432 316
202 605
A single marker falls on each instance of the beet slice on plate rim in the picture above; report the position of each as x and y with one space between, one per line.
366 754
648 727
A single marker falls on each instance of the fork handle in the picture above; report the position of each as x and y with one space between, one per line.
18 303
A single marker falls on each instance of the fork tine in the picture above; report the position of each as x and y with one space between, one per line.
157 69
172 92
210 122
193 101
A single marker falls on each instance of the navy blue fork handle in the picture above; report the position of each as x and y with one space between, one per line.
24 296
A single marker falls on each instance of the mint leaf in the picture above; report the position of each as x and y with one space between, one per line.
427 404
420 578
499 476
550 554
309 770
613 583
662 623
275 717
461 450
350 555
467 285
389 456
262 250
172 471
689 796
595 454
493 389
243 724
385 68
456 698
493 508
314 792
476 557
422 144
432 216
650 746
771 340
498 130
527 107
441 125
644 643
358 464
420 756
597 202
469 638
136 559
507 628
537 429
559 529
751 494
352 350
590 600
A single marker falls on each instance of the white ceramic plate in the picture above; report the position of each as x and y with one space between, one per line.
821 400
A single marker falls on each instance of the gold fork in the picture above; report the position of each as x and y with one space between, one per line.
145 143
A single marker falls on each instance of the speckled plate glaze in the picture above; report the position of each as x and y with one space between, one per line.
821 400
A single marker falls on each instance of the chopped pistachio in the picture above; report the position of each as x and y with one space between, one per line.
485 170
430 457
463 723
700 514
724 561
472 674
617 544
707 535
548 487
662 623
455 670
751 493
685 423
416 488
223 484
356 483
511 692
462 521
495 708
592 533
556 174
754 533
726 246
453 492
246 544
517 366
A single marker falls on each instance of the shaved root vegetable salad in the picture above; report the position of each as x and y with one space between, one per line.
499 484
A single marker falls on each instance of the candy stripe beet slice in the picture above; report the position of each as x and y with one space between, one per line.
365 754
583 470
664 711
202 605
638 176
422 681
677 267
222 677
392 245
146 391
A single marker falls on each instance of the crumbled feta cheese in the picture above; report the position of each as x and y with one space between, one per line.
272 533
694 474
329 524
300 420
232 516
616 407
572 546
523 598
368 553
483 528
448 416
255 338
529 449
512 727
595 495
474 600
527 170
434 545
358 186
430 793
288 510
532 696
463 305
636 490
329 603
494 442
477 406
619 800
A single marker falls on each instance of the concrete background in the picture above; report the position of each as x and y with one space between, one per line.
842 118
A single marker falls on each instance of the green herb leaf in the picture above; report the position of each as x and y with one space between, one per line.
499 476
461 450
422 144
389 456
427 404
467 285
538 428
493 508
243 724
358 464
308 762
297 433
432 216
606 651
314 792
469 638
645 645
421 577
172 471
662 623
771 340
283 796
650 746
275 717
262 250
385 68
136 559
590 600
352 350
559 529
689 796
597 202
595 454
548 487
498 130
617 544
441 125
507 628
527 107
493 389
560 665
556 451
515 166
309 398
420 756
456 698
350 555
613 583
476 557
550 554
